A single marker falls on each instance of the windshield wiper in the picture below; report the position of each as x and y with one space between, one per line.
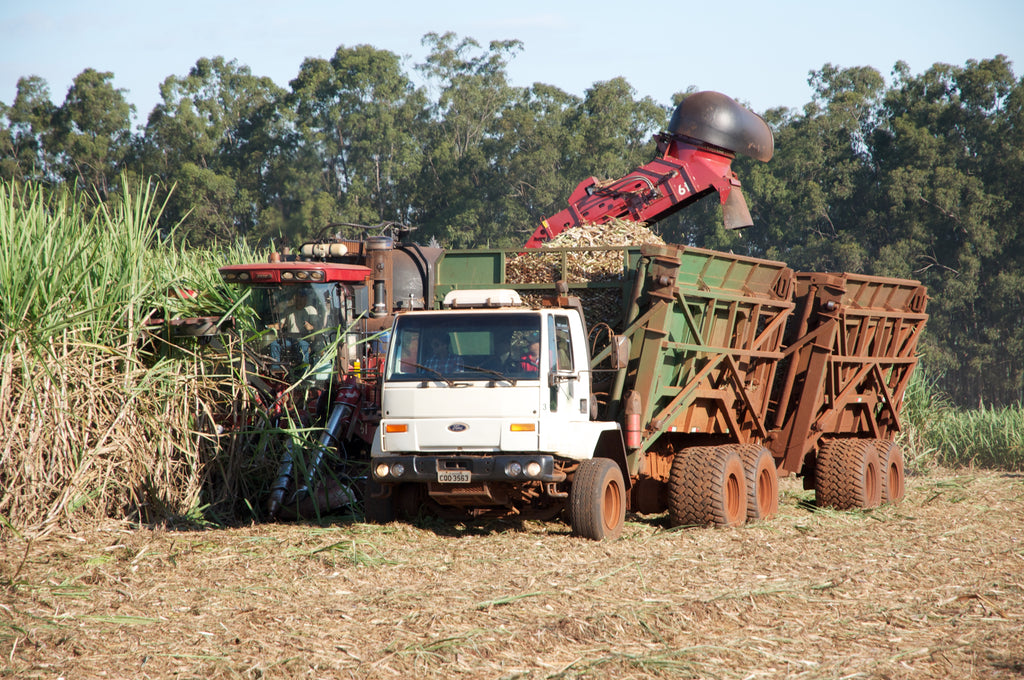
498 374
448 381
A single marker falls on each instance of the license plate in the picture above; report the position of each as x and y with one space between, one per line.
453 477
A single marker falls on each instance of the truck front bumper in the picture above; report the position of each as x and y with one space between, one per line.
463 469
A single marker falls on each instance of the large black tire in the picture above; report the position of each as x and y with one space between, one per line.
890 463
707 485
597 500
848 475
762 482
377 509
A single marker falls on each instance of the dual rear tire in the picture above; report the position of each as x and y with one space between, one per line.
858 473
708 485
848 475
723 486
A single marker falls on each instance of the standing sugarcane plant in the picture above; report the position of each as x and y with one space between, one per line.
94 421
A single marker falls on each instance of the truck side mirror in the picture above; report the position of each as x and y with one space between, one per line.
620 352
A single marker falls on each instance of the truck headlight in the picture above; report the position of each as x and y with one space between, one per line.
513 469
533 469
397 469
381 470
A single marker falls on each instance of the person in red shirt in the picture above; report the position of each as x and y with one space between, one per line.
530 362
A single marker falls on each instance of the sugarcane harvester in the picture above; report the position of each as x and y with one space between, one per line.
320 321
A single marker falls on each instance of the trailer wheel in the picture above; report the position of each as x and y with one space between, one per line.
890 463
707 485
848 475
597 500
762 482
378 509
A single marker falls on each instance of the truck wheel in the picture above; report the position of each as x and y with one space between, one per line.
597 500
890 464
378 509
707 485
848 475
762 482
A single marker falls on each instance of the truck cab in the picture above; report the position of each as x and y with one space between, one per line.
485 408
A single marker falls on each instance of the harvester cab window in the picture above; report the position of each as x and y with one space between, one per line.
297 327
299 314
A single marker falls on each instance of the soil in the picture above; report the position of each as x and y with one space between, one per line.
930 588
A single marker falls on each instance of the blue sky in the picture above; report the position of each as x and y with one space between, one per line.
757 52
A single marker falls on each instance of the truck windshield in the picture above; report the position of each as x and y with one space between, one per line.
464 346
297 327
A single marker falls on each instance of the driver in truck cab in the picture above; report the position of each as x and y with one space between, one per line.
440 357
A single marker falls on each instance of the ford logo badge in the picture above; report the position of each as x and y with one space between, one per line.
458 427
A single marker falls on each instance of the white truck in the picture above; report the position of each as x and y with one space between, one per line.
474 422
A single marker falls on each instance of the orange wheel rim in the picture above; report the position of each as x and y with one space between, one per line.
871 488
764 489
612 504
895 479
732 497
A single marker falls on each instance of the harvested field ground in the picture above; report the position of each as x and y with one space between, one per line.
931 588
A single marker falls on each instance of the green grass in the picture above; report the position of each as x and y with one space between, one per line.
938 433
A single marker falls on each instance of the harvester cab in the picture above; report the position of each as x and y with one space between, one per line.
300 309
316 309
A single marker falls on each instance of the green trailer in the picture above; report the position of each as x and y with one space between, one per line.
705 334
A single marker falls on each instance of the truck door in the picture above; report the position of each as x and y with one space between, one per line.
568 396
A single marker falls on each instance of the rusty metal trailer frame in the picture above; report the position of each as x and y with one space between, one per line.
727 349
850 350
704 350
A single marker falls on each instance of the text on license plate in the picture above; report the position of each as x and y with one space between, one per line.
453 477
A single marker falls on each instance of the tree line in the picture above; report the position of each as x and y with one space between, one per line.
921 177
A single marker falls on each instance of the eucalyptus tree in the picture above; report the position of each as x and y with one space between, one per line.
949 170
808 202
92 133
26 126
612 132
531 155
461 188
214 138
358 152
